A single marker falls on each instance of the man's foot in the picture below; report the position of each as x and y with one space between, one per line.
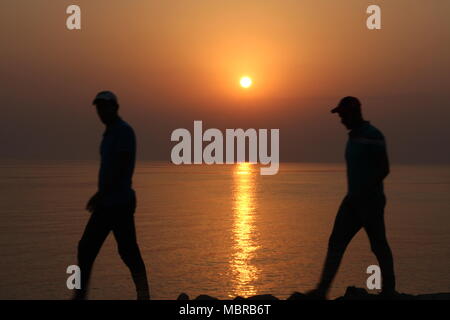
143 296
141 283
79 295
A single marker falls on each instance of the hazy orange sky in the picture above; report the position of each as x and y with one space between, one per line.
173 62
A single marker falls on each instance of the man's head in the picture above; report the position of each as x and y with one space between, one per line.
349 110
107 106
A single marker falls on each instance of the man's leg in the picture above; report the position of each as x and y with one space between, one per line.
125 233
94 235
375 228
346 225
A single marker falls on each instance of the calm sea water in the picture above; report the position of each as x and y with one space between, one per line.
217 230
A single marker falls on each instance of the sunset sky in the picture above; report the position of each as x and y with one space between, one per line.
173 62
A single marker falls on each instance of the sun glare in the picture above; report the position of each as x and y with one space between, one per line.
246 82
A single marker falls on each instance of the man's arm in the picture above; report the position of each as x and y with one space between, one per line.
124 155
379 162
112 179
119 169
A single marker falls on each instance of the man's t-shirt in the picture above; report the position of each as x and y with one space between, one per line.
366 159
117 186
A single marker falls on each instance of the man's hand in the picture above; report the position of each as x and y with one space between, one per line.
93 202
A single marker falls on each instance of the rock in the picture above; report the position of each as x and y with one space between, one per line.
351 293
434 296
205 297
263 297
183 296
298 296
354 292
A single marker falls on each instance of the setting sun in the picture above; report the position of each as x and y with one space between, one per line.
246 82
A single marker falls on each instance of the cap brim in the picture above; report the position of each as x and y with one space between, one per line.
335 110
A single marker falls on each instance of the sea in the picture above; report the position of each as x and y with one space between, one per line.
220 230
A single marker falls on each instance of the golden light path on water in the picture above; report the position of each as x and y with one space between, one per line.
244 231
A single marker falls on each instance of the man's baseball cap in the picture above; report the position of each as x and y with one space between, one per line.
347 105
105 95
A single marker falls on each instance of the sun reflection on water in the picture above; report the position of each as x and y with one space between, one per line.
245 243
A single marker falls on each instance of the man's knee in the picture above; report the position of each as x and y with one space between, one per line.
87 250
84 255
380 247
336 245
129 252
84 249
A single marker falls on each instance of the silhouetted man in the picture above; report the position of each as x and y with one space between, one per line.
114 204
363 206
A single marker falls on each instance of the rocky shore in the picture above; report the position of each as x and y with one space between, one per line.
352 293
